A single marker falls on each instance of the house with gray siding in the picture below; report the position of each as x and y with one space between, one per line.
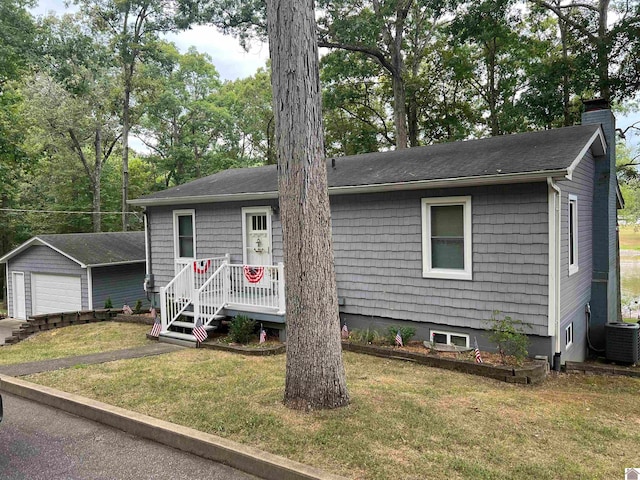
440 238
75 272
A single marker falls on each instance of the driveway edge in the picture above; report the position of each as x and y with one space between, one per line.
245 458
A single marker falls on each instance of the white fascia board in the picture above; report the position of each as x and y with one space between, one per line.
38 241
499 179
598 148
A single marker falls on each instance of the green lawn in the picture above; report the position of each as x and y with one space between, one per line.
629 237
405 421
75 340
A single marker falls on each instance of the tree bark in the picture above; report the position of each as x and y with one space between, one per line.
125 150
315 376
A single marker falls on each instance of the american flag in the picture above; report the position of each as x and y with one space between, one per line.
263 335
399 339
157 327
477 350
345 331
199 331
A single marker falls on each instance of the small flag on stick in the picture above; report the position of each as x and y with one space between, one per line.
157 327
199 331
399 339
345 331
477 350
263 335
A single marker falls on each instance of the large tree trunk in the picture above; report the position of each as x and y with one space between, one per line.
125 150
315 375
95 181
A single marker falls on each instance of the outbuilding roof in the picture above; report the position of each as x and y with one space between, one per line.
531 156
91 249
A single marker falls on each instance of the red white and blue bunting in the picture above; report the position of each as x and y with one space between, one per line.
253 274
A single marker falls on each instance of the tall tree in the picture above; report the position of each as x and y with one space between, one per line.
611 41
181 120
315 376
132 28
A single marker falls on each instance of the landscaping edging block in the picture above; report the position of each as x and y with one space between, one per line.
523 375
258 352
592 369
50 321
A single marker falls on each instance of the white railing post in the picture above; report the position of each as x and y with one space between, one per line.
281 292
226 281
163 309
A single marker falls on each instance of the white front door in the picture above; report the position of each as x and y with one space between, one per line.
256 230
19 297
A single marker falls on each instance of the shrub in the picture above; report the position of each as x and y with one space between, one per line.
366 336
405 332
241 329
138 308
509 335
108 303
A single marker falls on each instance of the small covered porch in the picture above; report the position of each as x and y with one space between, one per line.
210 289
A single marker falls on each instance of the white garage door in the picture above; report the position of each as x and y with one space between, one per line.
55 293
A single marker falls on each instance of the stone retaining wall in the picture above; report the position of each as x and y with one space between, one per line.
597 369
50 321
530 374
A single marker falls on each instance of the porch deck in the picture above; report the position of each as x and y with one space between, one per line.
208 289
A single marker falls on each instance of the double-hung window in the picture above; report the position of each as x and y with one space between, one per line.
184 236
446 237
573 234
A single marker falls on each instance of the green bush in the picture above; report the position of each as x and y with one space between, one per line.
241 329
138 308
108 303
405 332
509 335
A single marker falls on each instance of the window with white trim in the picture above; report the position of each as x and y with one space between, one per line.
568 335
450 338
184 236
573 234
446 237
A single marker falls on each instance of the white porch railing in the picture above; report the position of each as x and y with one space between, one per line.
246 291
213 284
180 292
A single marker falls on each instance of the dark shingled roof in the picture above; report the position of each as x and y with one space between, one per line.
99 248
519 154
91 249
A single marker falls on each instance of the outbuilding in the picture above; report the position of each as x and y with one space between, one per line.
75 272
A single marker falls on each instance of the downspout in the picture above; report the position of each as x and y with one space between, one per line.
148 279
555 230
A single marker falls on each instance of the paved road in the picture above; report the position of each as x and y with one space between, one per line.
41 443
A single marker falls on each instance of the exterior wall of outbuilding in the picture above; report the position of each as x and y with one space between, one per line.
42 259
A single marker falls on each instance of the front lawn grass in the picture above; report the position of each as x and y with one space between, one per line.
629 237
405 421
75 340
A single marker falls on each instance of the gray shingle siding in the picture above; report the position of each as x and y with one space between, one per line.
576 289
378 254
218 232
41 259
121 283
